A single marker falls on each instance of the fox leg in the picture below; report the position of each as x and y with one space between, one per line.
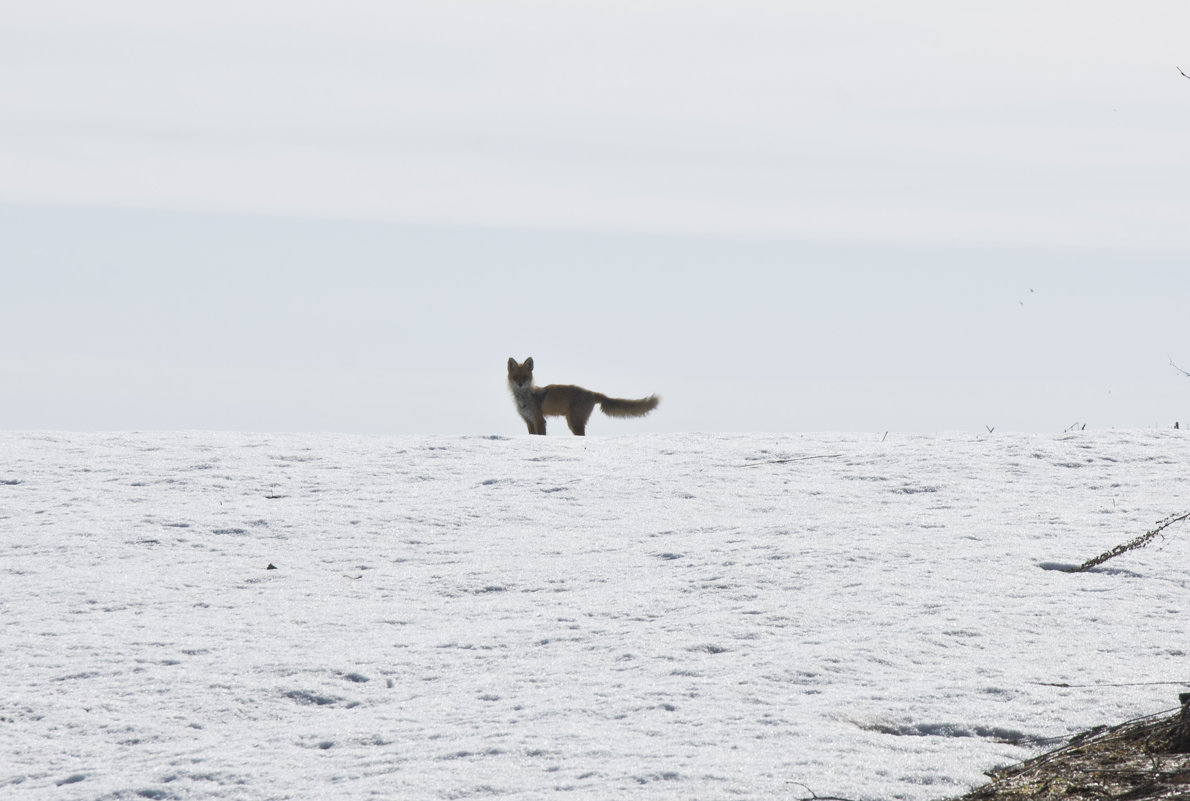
539 424
577 417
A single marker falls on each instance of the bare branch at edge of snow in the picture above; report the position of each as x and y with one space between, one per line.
1139 542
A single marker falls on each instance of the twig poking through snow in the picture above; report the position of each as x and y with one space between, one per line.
1122 684
815 797
1139 542
794 459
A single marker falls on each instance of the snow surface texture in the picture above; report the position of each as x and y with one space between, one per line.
668 616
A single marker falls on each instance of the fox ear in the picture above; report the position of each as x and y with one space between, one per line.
511 363
529 363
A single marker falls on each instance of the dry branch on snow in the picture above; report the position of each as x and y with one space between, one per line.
1141 760
1139 542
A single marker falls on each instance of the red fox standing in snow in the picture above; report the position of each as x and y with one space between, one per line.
557 400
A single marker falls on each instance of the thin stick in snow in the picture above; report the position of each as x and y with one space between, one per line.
794 459
815 797
1139 542
1123 684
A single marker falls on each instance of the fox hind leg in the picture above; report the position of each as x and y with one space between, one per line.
577 417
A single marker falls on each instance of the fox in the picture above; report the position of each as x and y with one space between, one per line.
565 400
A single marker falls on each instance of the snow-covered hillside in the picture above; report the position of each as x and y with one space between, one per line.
673 616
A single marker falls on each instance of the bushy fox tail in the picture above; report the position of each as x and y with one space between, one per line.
619 407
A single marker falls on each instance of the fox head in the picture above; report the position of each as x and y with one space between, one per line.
520 375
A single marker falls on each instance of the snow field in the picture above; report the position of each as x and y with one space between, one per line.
662 616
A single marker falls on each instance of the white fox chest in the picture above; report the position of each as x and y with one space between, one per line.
525 403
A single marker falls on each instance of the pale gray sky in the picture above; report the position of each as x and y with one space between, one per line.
780 216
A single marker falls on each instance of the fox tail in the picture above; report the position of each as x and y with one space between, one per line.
619 407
